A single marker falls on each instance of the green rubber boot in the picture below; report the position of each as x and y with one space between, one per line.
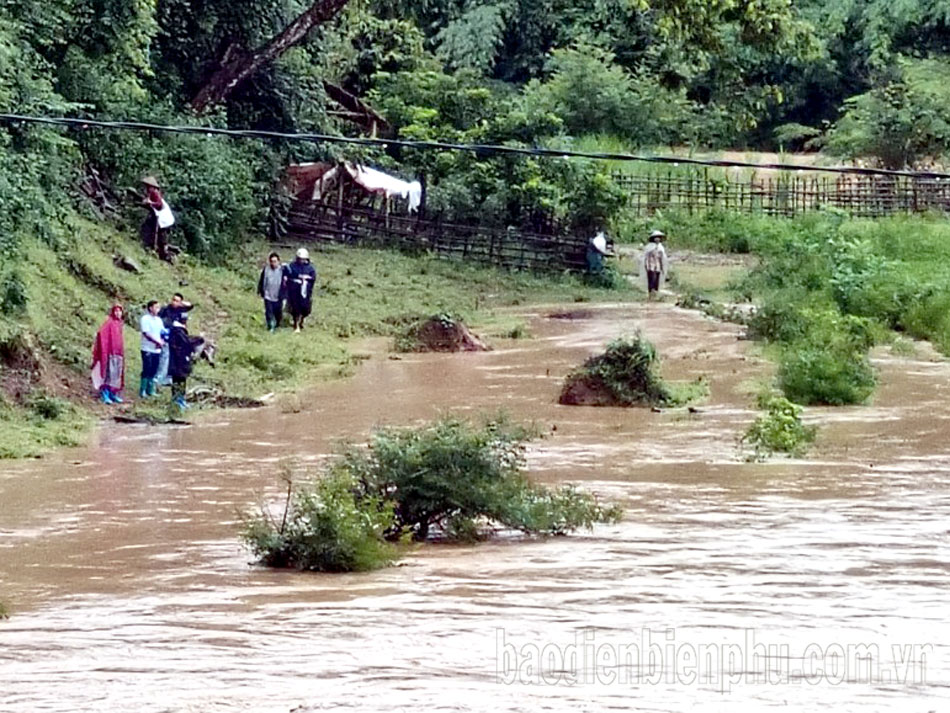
150 387
143 388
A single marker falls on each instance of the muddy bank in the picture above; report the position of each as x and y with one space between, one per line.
129 590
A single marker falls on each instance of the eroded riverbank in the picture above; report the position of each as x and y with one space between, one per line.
130 590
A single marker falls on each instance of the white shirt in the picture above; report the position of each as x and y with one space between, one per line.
152 325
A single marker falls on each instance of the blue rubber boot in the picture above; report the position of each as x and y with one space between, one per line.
104 396
116 399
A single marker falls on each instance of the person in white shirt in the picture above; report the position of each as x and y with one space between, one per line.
151 327
653 263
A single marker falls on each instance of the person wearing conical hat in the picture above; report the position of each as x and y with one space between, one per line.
160 218
654 263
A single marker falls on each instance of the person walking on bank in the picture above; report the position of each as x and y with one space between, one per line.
151 327
108 358
169 314
272 288
301 279
654 264
160 218
182 348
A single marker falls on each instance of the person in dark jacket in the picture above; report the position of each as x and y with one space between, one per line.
169 314
181 349
272 287
301 279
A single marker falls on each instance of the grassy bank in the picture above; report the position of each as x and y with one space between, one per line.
829 287
51 307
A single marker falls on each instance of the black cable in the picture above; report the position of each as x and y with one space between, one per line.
443 146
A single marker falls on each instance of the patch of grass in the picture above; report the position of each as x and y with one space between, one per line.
448 479
778 430
902 347
717 310
27 434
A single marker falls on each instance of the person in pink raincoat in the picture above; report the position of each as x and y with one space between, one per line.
108 358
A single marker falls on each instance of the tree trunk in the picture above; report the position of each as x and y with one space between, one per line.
237 66
359 112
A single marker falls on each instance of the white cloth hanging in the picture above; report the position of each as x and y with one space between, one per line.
376 181
166 218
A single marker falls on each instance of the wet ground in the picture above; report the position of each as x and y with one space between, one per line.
802 585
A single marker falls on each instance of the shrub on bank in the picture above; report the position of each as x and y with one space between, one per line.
447 478
834 374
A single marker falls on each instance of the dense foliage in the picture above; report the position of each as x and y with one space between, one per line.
827 288
448 478
863 77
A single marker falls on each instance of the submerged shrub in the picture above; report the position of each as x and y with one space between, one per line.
448 477
328 525
624 375
778 430
439 333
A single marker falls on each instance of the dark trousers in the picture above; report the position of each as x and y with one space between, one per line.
150 364
155 238
653 281
179 385
272 313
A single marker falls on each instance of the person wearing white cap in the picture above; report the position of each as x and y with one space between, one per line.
301 279
653 263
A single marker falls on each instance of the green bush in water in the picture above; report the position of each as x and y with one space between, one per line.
448 477
778 430
329 525
624 375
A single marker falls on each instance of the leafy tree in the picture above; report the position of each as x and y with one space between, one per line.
901 123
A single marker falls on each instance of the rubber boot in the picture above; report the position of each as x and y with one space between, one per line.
143 388
114 395
150 387
105 396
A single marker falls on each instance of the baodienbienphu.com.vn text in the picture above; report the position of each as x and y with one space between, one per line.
657 657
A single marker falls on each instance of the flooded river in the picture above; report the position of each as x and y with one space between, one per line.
814 584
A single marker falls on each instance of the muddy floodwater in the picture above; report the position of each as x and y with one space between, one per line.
818 584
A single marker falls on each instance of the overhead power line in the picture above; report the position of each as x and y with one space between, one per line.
482 149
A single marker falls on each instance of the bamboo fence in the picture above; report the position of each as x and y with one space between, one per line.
512 248
866 196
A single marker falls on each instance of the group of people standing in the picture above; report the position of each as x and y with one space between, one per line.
168 352
292 283
654 263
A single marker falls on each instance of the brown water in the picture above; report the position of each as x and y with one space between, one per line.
130 590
